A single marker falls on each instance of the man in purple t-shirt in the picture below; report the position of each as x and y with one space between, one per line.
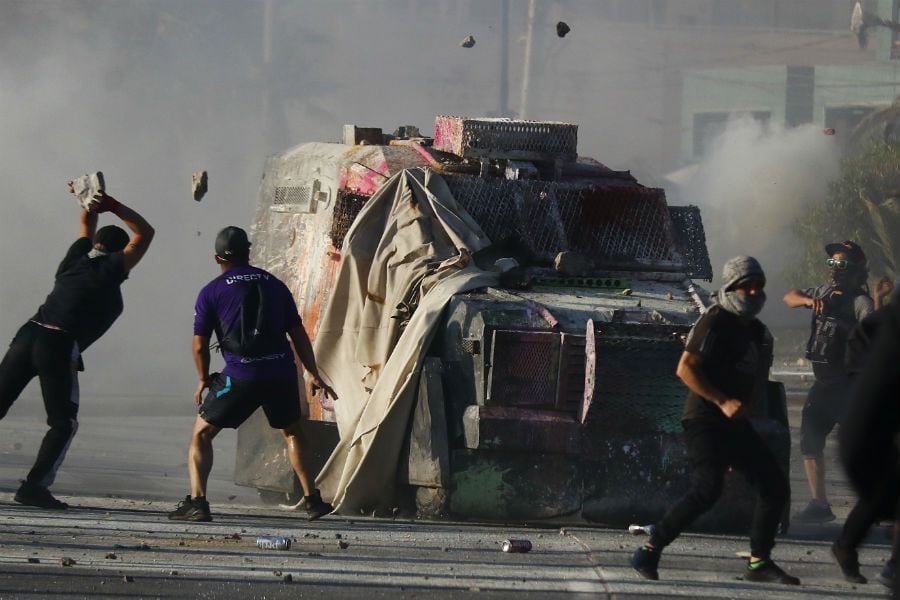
259 367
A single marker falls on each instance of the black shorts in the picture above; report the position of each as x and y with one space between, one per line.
230 401
825 406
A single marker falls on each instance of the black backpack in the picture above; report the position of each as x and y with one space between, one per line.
251 334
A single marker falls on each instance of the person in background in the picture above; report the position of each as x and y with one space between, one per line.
837 306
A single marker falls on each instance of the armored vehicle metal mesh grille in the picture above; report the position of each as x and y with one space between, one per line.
690 241
620 224
636 383
293 195
507 138
346 208
524 367
635 386
537 368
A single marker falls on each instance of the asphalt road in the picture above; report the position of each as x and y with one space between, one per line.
124 472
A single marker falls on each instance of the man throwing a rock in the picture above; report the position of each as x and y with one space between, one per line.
84 303
837 306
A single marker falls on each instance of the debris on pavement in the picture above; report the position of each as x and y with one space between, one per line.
513 545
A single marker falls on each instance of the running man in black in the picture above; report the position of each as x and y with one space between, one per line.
725 366
84 303
883 505
870 431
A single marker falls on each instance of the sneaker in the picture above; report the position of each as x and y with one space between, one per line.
815 512
32 494
769 572
886 577
316 507
191 509
645 561
848 561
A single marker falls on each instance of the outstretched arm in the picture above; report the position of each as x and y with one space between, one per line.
797 299
304 350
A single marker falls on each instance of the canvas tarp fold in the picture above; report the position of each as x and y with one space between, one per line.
407 252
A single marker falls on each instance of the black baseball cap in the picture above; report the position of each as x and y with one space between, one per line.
232 244
854 253
112 237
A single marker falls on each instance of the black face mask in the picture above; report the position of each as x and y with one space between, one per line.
742 305
844 278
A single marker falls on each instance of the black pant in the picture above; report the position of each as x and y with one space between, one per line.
825 406
713 445
869 509
52 356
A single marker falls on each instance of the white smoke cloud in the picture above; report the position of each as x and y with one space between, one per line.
149 92
754 183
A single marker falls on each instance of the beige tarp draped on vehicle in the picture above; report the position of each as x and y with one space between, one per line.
408 250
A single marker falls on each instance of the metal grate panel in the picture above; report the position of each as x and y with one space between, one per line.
619 225
297 195
346 208
506 138
635 386
690 240
524 368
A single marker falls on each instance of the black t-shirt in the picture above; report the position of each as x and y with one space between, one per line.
737 354
86 299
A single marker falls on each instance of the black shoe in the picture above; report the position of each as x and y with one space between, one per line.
848 561
646 561
815 512
32 494
316 507
191 509
886 577
769 572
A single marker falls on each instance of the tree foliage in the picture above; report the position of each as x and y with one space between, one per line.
863 205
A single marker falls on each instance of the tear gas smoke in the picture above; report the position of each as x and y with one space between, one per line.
755 181
150 92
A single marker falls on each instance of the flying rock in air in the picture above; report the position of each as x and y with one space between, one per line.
562 28
199 185
468 42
